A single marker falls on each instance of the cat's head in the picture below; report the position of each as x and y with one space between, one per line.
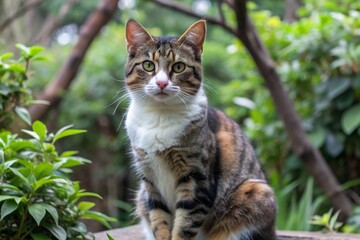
164 69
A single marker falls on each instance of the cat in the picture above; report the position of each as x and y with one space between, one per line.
200 178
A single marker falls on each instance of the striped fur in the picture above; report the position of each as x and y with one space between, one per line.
200 178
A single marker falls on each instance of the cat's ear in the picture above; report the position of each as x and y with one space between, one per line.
136 35
194 35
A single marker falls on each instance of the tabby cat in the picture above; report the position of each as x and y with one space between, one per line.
200 178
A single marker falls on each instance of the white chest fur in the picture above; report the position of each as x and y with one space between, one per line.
156 126
153 128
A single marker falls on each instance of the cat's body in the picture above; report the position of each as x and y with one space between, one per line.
199 176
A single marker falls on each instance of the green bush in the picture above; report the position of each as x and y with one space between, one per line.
37 199
14 95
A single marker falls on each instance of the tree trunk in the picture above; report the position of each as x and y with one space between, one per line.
90 29
291 7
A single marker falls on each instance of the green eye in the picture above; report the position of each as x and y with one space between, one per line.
148 66
178 67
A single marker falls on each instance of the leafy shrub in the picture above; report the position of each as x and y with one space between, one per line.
37 198
328 221
14 94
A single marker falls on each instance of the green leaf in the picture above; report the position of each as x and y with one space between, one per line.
351 119
8 207
52 211
8 164
31 133
23 113
9 187
99 217
317 137
17 173
333 144
27 164
22 144
333 221
37 101
25 51
88 194
40 58
63 129
34 50
37 211
67 133
2 143
2 158
57 231
44 181
71 162
337 86
68 153
39 236
17 67
43 169
7 197
109 237
79 227
40 129
6 56
83 206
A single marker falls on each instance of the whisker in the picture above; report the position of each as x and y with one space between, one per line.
117 80
208 87
117 105
182 100
121 121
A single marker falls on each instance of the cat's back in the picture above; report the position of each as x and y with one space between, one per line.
234 152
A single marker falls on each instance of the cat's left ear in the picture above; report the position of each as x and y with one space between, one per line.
194 35
136 36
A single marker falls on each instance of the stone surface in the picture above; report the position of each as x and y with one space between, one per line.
135 233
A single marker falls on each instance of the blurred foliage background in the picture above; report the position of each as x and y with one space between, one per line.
317 56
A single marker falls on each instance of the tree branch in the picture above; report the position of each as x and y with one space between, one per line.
90 29
219 4
185 10
19 13
291 7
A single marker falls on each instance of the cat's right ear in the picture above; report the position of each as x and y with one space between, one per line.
136 35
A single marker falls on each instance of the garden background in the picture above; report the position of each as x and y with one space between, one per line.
262 60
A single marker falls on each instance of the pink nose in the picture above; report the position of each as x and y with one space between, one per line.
162 83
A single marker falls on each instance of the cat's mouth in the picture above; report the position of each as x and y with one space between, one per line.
161 94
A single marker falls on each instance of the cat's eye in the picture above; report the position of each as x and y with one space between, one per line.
178 67
148 66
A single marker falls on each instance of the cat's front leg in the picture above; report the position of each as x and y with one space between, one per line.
193 204
160 217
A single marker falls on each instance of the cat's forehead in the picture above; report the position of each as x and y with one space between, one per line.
167 48
161 45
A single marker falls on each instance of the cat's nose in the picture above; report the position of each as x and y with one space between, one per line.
162 83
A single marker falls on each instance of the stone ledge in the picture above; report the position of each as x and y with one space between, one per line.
135 233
